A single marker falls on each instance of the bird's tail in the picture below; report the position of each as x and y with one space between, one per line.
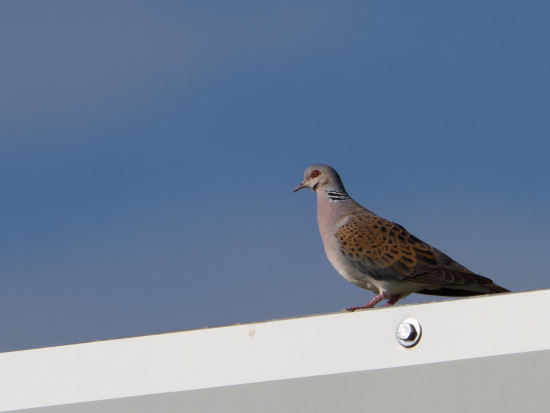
465 290
497 288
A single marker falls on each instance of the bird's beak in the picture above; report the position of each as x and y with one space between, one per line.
301 186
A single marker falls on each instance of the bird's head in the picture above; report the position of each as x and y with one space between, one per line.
320 176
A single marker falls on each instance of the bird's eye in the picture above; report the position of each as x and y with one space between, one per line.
315 174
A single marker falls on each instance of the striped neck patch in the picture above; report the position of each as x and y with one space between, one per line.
336 196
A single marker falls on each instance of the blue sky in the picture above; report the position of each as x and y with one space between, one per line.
148 152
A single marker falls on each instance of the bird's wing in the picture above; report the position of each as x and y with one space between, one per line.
385 250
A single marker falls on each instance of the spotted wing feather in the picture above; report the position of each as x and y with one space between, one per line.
385 250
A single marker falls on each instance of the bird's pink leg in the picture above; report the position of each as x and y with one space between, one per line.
393 298
371 303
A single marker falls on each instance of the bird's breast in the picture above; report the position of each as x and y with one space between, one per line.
329 221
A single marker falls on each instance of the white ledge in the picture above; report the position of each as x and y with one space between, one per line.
275 350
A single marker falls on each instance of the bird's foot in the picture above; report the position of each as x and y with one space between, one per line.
392 299
370 304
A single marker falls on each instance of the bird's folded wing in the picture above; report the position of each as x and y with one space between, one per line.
385 250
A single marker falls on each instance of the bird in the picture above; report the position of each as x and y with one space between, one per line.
382 256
